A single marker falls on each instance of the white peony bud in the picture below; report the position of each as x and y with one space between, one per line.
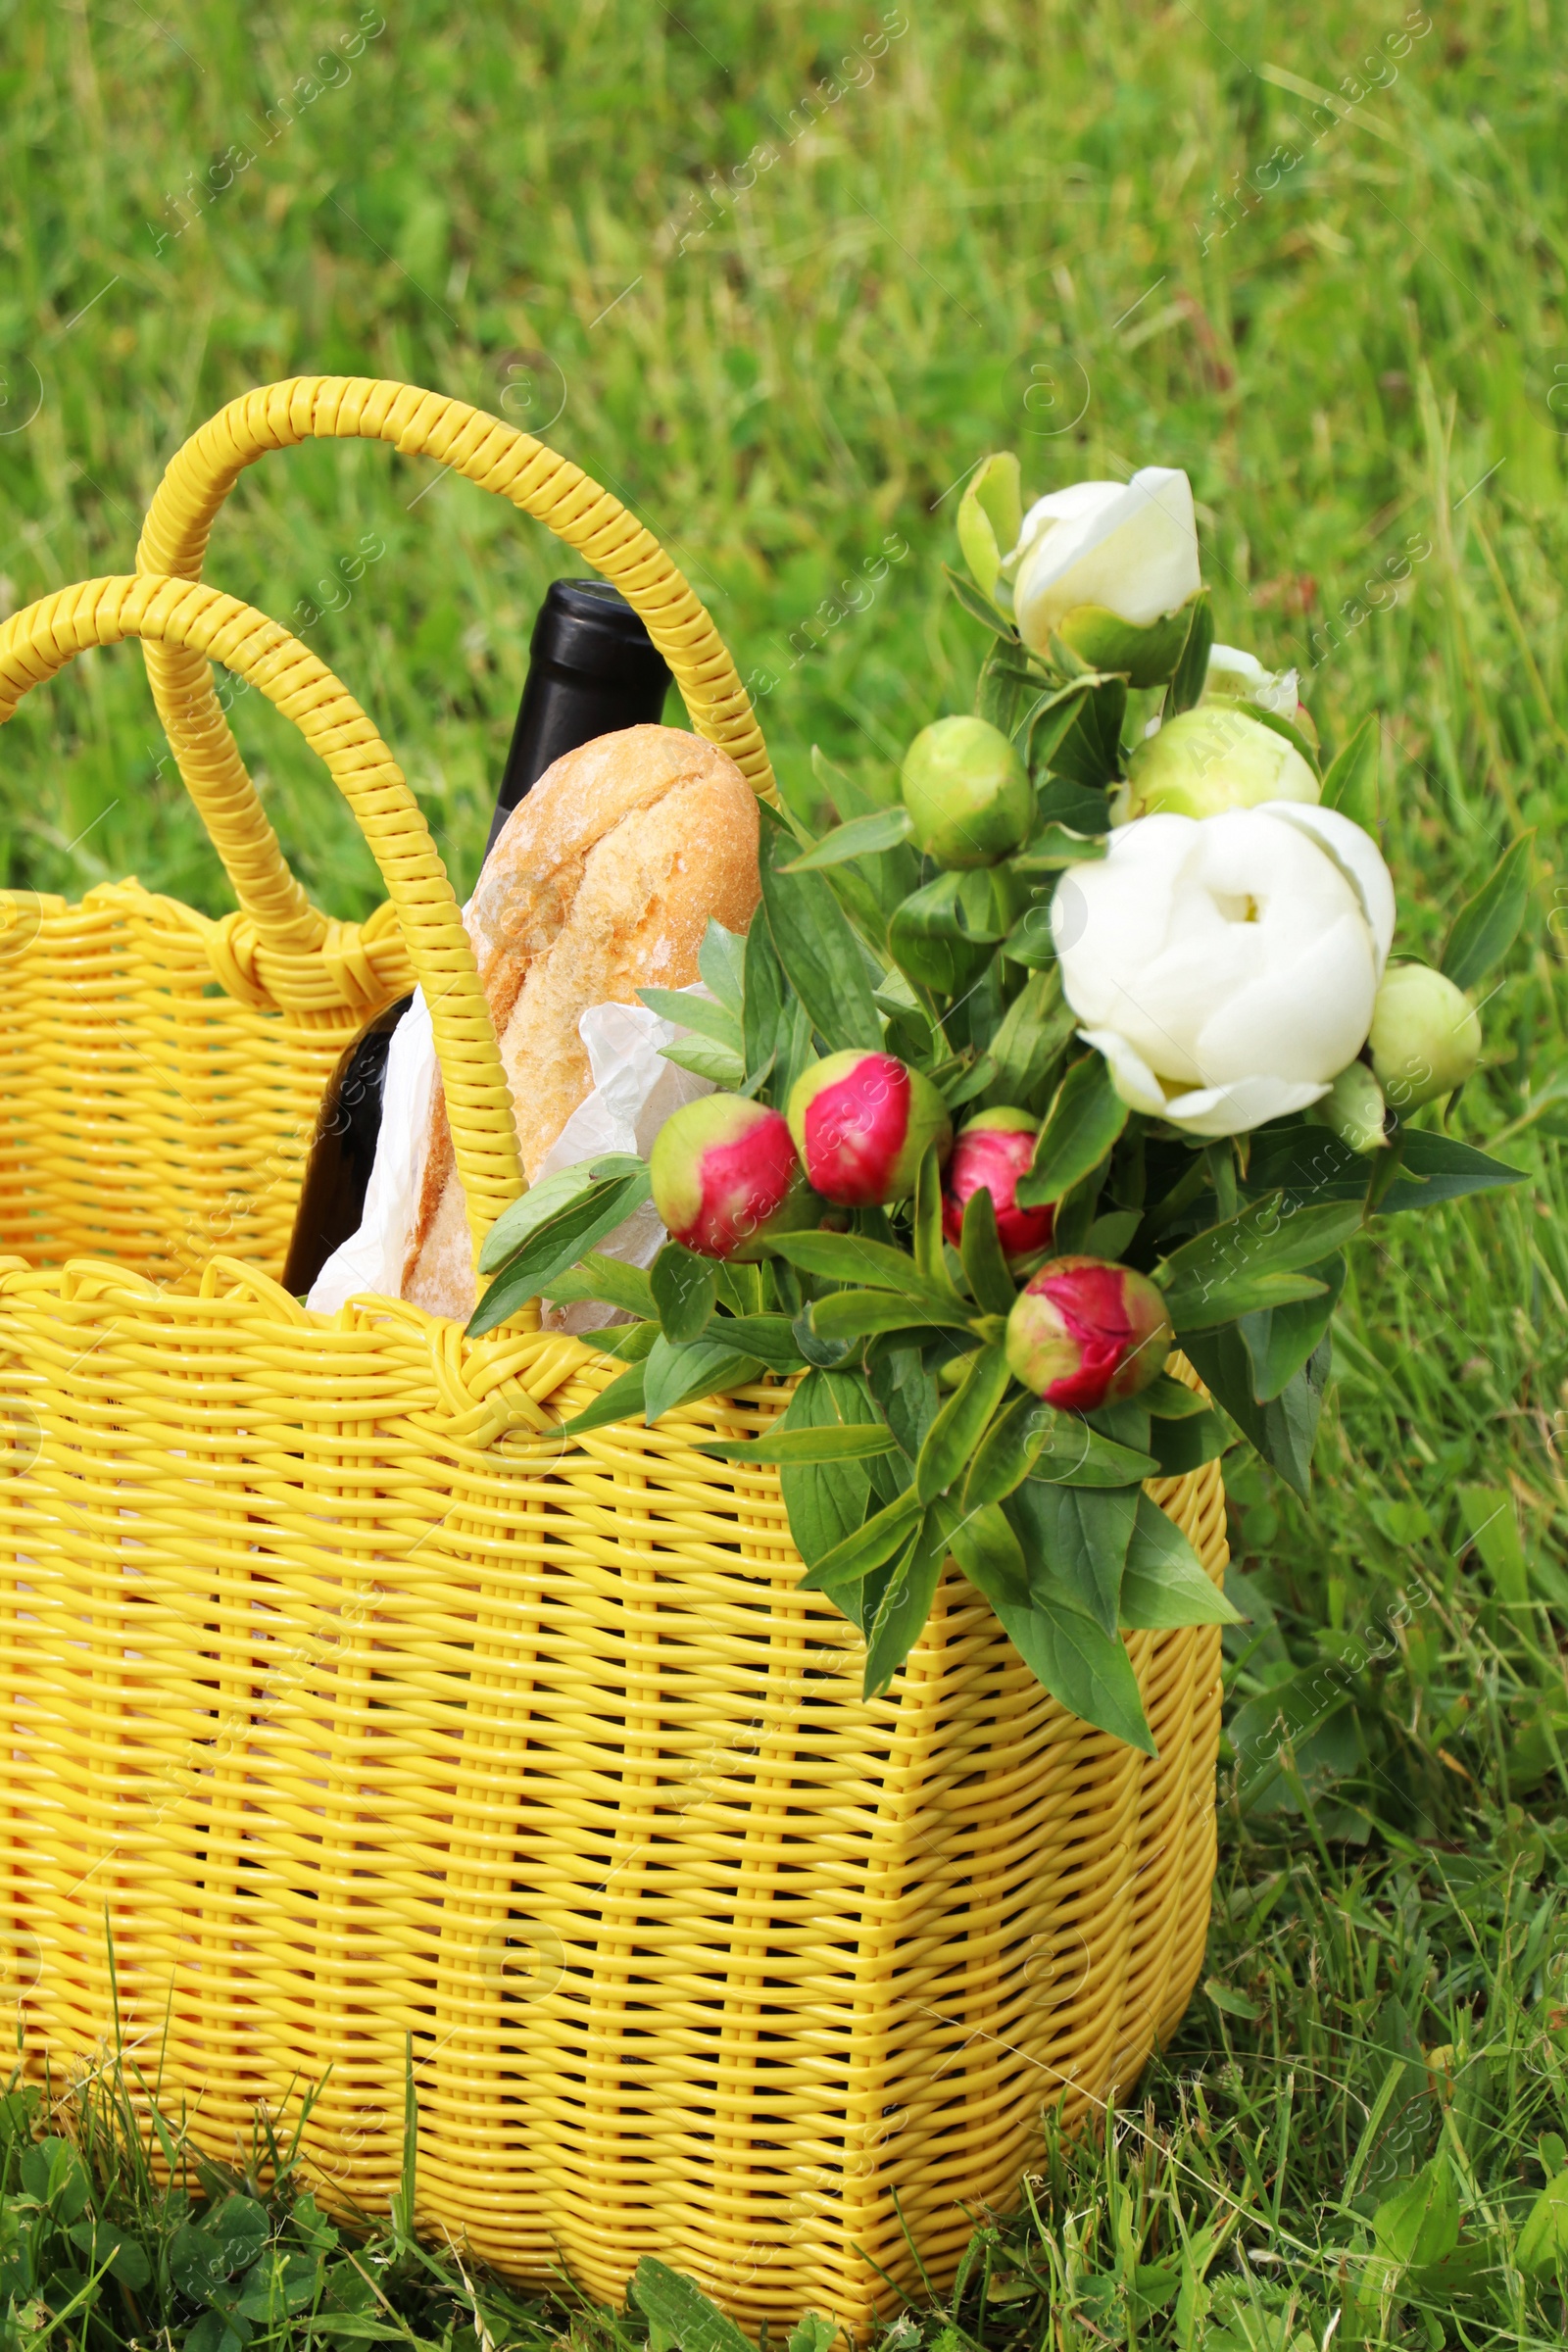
1108 552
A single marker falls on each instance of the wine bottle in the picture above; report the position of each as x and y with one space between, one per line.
592 669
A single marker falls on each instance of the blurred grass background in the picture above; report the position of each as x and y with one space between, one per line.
778 275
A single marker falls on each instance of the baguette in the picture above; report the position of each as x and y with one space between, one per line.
601 883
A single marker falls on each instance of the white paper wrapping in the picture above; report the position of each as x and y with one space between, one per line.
634 1092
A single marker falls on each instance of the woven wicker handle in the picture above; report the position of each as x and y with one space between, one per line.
468 441
205 625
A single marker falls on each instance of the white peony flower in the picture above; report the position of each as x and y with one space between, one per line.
1226 966
1129 547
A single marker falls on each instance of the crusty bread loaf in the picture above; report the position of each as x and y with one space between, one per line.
602 883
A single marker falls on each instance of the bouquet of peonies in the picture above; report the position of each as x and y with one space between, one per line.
1083 1044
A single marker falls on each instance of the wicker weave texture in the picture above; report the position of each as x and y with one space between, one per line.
355 1731
365 1715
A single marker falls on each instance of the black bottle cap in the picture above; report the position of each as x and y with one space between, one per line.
587 627
592 669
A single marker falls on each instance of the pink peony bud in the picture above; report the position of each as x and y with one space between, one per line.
862 1122
992 1152
725 1177
1083 1333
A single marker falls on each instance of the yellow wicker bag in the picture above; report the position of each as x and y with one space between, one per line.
367 1717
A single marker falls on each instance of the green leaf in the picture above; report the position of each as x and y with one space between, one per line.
53 2173
1076 1541
1201 1308
943 935
847 1442
855 1258
930 1262
1028 1042
1080 1128
983 1542
622 1401
1164 1584
1049 724
1284 1430
1077 1212
114 2250
1054 847
985 1264
1083 1668
863 837
869 892
1081 807
1171 1399
813 2335
1543 2244
1008 683
1089 753
1072 1454
1487 925
1313 1165
628 1343
1352 782
1192 670
1279 1340
859 1314
1031 942
197 2262
1109 1235
556 1244
960 1424
1268 1236
905 1605
537 1205
721 1065
1006 1452
818 953
979 608
865 1547
1420 2223
763 1006
797 1050
608 1280
770 1338
676 1376
721 962
240 2225
692 1011
1232 1269
1182 1446
681 2314
685 1288
826 1501
906 1389
213 2333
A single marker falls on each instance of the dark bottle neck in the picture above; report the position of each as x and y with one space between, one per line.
592 669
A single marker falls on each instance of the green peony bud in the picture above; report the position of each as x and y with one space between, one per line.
1148 653
1215 757
990 515
967 793
1426 1039
1354 1109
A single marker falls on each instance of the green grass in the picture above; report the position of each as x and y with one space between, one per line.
1007 207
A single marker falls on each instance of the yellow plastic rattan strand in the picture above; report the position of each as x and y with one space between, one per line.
495 456
214 627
